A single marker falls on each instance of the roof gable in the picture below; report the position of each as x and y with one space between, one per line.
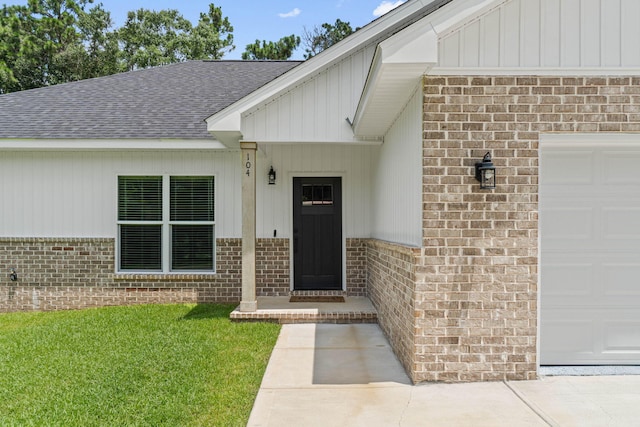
393 74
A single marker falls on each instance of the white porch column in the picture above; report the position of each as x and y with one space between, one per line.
249 301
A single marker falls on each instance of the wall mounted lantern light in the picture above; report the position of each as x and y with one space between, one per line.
272 176
486 173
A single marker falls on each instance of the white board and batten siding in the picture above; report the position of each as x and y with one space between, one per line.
74 194
534 34
397 193
354 164
316 110
590 249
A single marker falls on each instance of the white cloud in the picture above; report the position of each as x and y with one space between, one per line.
295 12
385 7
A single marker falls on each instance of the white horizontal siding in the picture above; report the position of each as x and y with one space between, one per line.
397 188
547 34
317 109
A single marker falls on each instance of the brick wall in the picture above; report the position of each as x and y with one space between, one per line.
272 267
477 311
357 267
79 273
392 290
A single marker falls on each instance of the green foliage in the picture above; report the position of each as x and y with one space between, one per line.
55 41
320 38
280 50
144 365
212 37
151 38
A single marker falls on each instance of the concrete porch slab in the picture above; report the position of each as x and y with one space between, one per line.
280 310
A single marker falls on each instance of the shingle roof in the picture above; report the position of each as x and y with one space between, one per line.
164 102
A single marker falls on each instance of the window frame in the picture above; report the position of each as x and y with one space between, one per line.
166 225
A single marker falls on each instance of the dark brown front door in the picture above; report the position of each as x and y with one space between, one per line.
317 233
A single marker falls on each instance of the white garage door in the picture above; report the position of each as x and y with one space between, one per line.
590 251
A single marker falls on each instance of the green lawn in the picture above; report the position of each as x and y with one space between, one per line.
173 365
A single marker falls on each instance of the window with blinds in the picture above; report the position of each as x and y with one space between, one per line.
166 223
191 219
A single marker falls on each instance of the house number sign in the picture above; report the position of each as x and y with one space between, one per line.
248 165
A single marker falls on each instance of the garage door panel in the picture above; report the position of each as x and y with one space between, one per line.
590 253
622 336
569 279
590 280
568 168
620 168
622 280
621 223
590 337
562 337
569 223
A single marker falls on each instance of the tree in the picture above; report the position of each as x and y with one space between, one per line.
100 43
320 38
149 38
55 41
11 36
280 50
212 37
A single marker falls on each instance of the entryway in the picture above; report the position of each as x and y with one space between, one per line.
317 233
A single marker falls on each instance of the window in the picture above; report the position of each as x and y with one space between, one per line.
166 224
317 194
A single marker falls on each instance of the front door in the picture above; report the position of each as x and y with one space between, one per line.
317 233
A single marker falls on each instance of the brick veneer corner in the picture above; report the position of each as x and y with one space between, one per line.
477 299
391 286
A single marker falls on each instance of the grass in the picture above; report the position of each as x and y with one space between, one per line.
173 365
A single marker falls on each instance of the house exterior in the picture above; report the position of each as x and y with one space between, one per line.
117 191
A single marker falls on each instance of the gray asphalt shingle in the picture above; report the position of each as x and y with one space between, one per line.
171 101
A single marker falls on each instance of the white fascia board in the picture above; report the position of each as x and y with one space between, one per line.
227 129
108 144
312 66
398 63
402 59
364 141
459 12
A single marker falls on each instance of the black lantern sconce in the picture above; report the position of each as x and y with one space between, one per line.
486 173
272 176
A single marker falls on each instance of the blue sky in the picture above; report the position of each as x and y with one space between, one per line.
264 19
261 19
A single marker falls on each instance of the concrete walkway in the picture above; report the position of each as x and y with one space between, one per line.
347 375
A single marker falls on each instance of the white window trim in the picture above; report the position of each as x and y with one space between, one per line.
166 224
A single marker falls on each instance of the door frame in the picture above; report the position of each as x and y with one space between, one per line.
343 243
